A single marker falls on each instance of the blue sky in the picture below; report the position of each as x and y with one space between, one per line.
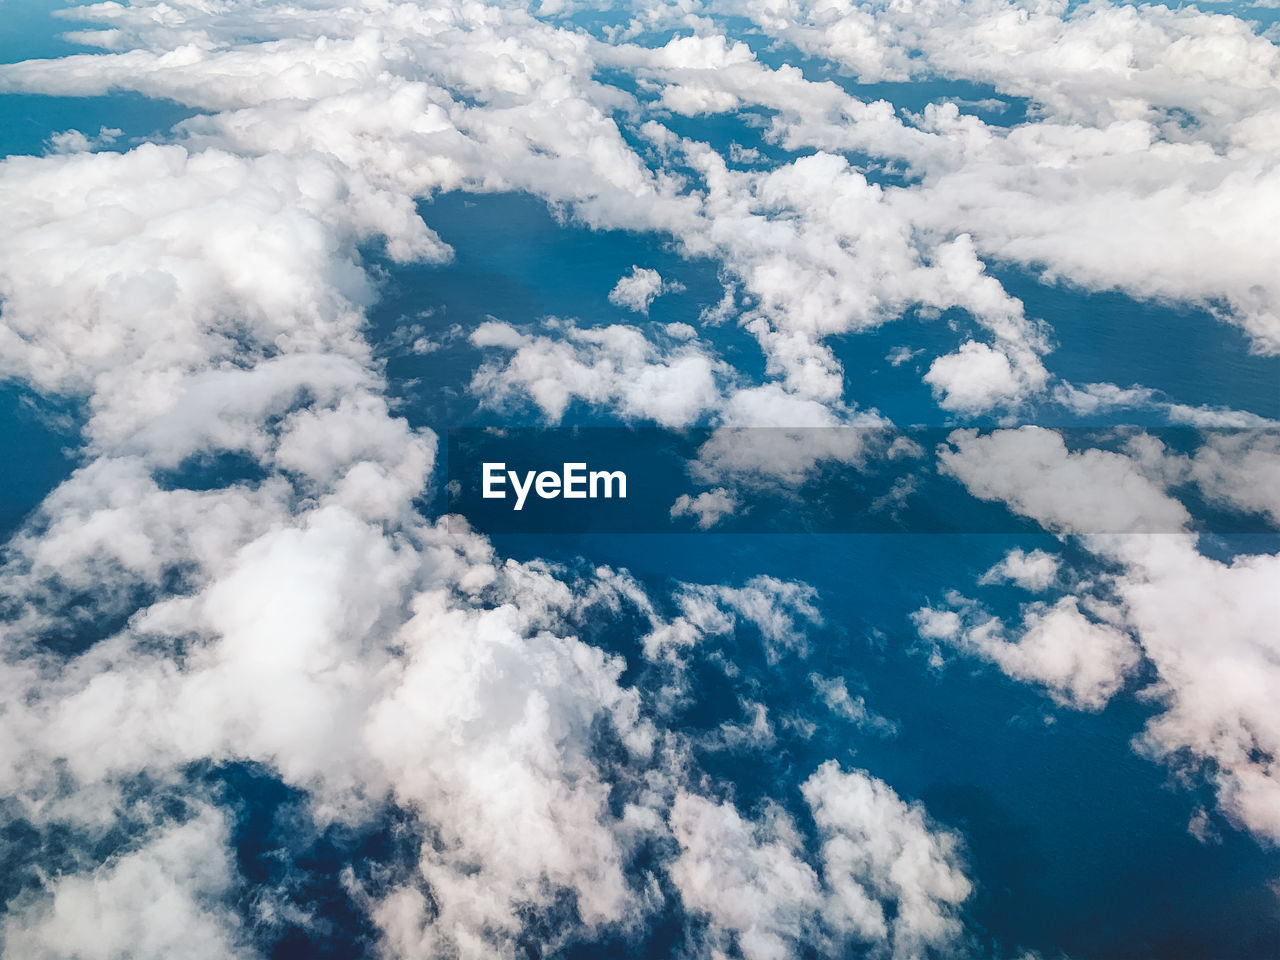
262 698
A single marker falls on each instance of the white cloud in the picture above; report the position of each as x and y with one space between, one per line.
708 507
1094 398
1075 189
977 378
1237 469
206 296
1208 627
1079 661
900 355
835 695
877 848
73 141
615 366
1035 571
1031 470
779 609
748 878
888 880
638 289
168 897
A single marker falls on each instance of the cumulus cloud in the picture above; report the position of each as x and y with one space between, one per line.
887 878
1080 662
640 287
708 508
1235 469
1032 471
977 377
167 896
615 366
1127 97
1208 627
875 846
1034 570
73 141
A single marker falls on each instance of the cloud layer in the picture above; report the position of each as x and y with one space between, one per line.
205 298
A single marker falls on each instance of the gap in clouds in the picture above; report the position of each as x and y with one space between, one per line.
38 437
287 861
1106 336
897 390
33 119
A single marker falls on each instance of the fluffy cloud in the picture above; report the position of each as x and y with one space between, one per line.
637 289
1209 629
1235 469
1081 662
977 377
1034 571
165 897
1069 190
1146 168
1031 470
888 879
877 847
708 507
614 366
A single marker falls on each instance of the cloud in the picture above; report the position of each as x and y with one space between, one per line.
977 377
614 366
73 141
1081 662
709 507
1035 571
900 355
747 877
1031 470
499 762
1207 626
1125 98
835 695
875 846
206 296
888 879
637 289
1235 469
779 609
167 896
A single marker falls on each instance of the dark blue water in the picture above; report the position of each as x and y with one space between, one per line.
39 439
